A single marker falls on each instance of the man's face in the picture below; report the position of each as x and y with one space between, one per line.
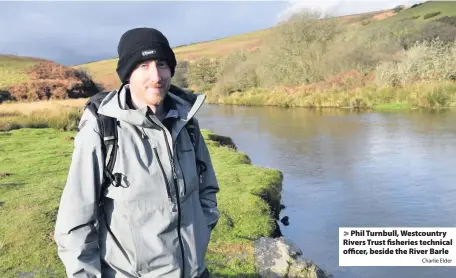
150 82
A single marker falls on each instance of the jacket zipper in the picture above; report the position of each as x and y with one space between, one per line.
163 172
177 194
173 167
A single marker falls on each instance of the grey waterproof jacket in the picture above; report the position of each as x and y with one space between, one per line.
159 221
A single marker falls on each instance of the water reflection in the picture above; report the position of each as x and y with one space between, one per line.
351 169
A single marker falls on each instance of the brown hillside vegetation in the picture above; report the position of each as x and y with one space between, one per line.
47 80
104 71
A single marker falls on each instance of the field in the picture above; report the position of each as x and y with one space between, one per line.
35 162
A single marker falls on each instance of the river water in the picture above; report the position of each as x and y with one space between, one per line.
351 169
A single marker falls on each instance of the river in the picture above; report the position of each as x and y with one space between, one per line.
351 169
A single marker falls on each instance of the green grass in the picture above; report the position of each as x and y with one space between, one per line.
36 160
392 106
447 8
34 165
12 70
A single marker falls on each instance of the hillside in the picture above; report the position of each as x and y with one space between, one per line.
104 71
446 8
12 69
28 78
359 60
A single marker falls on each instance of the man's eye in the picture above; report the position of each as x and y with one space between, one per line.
143 65
162 64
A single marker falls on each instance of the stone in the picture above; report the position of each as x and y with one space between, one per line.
285 220
5 174
280 257
223 140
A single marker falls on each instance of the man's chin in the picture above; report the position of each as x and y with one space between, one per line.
154 100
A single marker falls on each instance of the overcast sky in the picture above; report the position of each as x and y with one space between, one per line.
73 33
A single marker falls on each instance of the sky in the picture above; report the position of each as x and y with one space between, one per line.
72 33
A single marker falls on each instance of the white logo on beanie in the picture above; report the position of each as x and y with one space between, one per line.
148 52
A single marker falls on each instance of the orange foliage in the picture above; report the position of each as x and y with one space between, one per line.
52 81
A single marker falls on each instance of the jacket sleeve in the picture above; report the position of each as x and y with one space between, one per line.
75 230
209 186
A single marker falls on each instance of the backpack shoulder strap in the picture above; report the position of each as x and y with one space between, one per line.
108 134
94 102
193 131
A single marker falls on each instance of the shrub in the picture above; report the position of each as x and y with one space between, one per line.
203 73
424 62
180 78
237 72
450 20
295 52
398 8
243 77
414 17
5 96
405 33
429 15
444 32
415 5
51 81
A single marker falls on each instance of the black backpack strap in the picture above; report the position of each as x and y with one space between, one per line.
108 133
94 102
192 129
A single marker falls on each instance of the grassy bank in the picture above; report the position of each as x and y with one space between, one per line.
430 96
34 164
64 114
59 114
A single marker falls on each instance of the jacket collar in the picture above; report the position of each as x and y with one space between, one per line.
183 106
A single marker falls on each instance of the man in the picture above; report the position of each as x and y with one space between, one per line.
158 214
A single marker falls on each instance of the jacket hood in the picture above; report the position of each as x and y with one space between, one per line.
186 105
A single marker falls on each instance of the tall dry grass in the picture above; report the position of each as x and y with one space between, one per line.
59 114
434 95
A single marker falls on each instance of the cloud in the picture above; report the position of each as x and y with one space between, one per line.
78 32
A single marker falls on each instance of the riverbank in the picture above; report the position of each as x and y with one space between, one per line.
433 95
34 167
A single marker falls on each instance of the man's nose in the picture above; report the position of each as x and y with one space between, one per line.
154 72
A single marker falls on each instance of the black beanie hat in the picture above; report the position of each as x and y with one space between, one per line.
142 44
